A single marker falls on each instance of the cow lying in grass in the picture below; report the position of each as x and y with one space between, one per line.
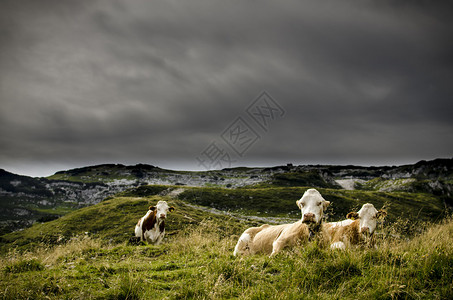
357 229
270 239
151 227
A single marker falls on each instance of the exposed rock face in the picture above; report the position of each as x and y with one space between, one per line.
349 184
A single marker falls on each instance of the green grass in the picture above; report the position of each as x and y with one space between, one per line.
86 254
197 263
61 209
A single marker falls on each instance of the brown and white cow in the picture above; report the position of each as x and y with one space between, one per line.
357 229
151 227
270 239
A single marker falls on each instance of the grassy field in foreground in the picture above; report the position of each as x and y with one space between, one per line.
86 255
197 263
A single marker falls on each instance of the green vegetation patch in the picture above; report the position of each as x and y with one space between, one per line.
145 191
197 263
309 178
24 266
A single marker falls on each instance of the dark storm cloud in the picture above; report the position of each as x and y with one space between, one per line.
145 81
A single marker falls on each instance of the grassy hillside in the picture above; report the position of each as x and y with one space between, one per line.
280 201
25 200
196 262
86 254
112 220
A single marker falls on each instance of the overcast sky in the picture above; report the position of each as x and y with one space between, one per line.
205 84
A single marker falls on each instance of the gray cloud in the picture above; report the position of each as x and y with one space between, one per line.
84 82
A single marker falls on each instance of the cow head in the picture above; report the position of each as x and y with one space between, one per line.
161 209
312 206
368 216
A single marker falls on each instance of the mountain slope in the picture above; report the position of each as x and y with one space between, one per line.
25 200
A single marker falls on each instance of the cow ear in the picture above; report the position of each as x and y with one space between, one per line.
152 208
298 204
352 215
381 214
326 204
171 208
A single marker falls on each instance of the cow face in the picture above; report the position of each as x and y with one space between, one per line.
312 206
161 209
368 216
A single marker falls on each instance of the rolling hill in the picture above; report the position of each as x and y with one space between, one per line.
114 218
25 200
112 221
86 255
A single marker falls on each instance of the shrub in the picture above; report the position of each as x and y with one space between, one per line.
25 266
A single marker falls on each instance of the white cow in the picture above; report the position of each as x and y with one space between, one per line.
270 239
357 229
151 227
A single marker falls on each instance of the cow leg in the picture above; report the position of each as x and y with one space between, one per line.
138 232
283 241
160 239
338 245
290 237
277 246
244 243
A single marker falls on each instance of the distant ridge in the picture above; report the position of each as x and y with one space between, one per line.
106 166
